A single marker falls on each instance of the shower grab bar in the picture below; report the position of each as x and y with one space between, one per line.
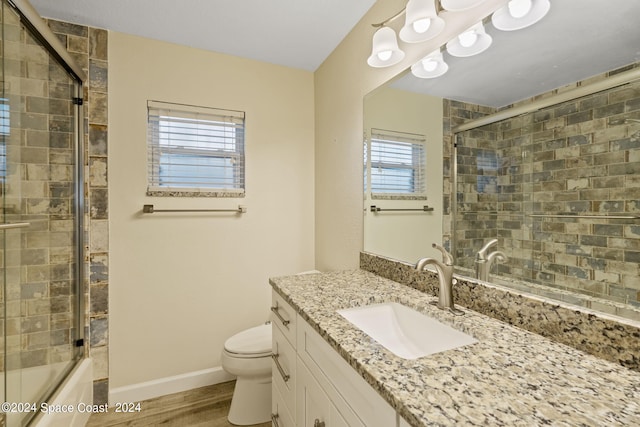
14 225
585 216
425 208
150 209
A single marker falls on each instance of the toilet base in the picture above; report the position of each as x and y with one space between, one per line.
251 402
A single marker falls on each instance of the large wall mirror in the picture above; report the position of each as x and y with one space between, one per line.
556 188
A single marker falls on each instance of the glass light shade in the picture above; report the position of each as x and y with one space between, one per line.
519 8
421 21
385 51
457 5
508 18
470 42
430 66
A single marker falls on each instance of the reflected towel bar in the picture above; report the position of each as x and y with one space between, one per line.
150 209
585 216
425 208
14 225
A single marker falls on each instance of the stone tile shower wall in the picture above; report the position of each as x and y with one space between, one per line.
89 48
454 113
37 188
579 157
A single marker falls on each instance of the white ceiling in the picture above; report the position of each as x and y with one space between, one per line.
294 33
577 39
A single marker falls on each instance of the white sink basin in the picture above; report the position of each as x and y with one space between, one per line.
404 331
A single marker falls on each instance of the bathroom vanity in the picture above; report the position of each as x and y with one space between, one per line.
313 384
327 372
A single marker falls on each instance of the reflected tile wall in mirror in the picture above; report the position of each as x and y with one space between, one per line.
579 157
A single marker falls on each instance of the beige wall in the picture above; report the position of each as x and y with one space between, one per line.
340 84
182 283
406 235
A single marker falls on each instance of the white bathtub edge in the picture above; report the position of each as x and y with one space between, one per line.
168 385
77 394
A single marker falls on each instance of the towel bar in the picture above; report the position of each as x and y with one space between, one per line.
150 209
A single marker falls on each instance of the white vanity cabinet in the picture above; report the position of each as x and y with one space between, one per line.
321 390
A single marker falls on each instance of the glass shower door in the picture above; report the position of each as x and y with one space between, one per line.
41 216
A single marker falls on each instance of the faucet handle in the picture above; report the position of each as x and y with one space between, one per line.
482 253
446 256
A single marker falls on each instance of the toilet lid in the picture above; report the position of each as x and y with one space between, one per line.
256 340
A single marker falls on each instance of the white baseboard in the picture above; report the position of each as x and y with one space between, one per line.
168 385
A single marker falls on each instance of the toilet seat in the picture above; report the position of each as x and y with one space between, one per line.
251 343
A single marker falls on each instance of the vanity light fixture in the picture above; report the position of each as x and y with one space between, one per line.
470 42
421 21
458 5
385 51
430 66
518 14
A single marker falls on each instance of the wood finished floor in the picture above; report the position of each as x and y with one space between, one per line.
202 407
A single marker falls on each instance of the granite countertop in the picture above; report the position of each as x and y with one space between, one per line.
509 377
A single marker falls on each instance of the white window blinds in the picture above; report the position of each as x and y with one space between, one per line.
397 162
194 150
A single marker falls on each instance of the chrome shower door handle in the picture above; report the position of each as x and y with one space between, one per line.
285 376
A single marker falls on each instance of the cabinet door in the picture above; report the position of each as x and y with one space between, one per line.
336 418
355 400
312 404
314 407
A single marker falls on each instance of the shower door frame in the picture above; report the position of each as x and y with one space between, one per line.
40 31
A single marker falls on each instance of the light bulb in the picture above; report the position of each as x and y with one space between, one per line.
468 38
421 25
429 64
384 55
519 8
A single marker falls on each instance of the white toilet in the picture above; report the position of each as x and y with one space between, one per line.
247 355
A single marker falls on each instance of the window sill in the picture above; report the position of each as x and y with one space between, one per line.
398 197
196 193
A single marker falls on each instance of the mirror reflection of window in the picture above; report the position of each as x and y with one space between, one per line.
396 163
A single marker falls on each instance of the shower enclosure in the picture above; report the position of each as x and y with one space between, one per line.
41 250
559 188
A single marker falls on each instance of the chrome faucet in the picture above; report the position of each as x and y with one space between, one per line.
484 259
445 276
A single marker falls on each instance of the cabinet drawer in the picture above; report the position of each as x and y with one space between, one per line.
280 414
284 317
283 368
333 372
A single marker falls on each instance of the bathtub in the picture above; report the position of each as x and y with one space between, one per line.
75 394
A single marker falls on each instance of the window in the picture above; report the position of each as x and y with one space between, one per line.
194 151
397 163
